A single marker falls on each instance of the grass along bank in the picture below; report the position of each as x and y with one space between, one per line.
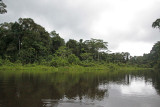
71 68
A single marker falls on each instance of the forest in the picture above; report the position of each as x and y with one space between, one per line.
26 42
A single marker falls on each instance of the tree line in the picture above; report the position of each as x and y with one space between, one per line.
28 42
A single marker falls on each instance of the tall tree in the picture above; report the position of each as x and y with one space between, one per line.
56 41
8 44
24 37
34 36
2 7
156 24
73 46
96 45
155 54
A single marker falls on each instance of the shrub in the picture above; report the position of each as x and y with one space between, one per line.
112 67
8 63
87 56
59 61
44 62
86 64
18 62
49 58
157 65
72 59
1 63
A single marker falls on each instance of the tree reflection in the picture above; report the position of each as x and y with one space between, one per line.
39 90
28 90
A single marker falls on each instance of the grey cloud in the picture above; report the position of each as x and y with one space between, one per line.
77 17
140 30
58 13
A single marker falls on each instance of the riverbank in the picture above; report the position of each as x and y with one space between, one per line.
70 68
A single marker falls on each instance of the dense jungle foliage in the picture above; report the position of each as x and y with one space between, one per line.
26 42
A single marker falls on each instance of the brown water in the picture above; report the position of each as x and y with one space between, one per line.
97 89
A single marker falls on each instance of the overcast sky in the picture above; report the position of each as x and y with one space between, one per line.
124 24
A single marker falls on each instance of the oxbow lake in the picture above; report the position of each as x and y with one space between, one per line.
82 89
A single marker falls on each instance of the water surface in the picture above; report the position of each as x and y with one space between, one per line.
93 89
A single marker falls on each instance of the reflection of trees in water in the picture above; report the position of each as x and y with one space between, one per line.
149 76
156 81
86 88
30 90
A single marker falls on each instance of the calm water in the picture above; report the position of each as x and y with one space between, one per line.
139 89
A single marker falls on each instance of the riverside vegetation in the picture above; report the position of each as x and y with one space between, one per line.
26 45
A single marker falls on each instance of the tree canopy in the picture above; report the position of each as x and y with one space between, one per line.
29 42
2 7
156 24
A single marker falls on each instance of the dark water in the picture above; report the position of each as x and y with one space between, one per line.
97 89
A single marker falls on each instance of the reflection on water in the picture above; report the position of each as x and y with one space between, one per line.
96 89
138 87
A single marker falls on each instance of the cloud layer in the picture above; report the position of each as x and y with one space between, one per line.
125 24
